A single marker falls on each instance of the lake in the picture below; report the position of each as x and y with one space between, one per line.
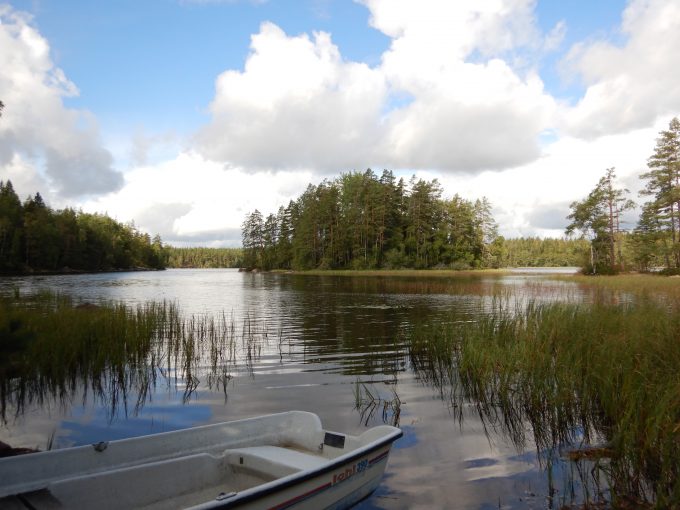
332 345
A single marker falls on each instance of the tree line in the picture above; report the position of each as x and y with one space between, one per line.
655 241
34 237
362 221
543 252
204 257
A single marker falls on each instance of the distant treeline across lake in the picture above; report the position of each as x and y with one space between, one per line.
36 238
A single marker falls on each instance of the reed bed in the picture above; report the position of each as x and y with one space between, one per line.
573 375
642 284
53 348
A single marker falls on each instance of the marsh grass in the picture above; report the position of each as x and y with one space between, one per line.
642 284
53 348
577 375
369 401
419 273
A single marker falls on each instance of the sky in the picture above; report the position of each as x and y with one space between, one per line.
184 115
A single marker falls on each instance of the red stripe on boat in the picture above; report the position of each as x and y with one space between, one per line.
379 457
301 497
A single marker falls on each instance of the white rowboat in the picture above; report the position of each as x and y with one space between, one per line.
277 461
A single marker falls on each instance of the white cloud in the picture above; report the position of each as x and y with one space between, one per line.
190 199
57 145
457 96
527 199
296 104
451 31
629 86
474 117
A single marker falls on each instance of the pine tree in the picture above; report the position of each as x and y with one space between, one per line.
663 185
598 217
11 228
252 231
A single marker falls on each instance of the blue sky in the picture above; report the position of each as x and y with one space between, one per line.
182 115
132 59
154 63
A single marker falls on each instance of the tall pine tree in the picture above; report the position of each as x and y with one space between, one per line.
663 186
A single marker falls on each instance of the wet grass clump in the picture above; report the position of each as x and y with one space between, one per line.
53 348
573 375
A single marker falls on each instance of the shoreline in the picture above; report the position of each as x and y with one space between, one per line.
67 271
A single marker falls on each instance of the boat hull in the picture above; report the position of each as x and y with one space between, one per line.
272 462
335 487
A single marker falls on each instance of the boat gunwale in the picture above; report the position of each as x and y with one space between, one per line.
300 477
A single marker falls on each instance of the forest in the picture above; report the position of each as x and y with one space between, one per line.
366 221
34 237
197 257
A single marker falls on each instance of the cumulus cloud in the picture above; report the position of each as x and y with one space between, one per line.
160 218
533 199
629 85
453 30
191 200
298 103
61 146
550 216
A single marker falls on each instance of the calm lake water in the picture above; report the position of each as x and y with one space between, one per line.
319 340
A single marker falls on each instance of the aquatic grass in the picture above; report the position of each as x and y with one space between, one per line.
368 401
397 272
639 284
577 374
53 348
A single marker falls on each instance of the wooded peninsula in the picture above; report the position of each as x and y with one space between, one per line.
366 221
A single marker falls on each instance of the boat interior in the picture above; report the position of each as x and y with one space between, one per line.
214 463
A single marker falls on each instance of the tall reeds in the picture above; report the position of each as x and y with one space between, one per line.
52 348
576 374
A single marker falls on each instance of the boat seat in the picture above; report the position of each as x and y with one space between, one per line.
274 460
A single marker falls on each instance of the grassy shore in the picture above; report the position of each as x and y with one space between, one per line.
580 376
416 273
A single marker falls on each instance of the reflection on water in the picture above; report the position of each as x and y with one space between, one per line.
249 344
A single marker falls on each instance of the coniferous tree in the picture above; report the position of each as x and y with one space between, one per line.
663 185
362 221
253 239
11 228
598 217
35 237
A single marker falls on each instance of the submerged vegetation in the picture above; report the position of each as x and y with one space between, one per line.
581 376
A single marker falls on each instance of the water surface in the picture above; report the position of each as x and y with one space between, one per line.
320 339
